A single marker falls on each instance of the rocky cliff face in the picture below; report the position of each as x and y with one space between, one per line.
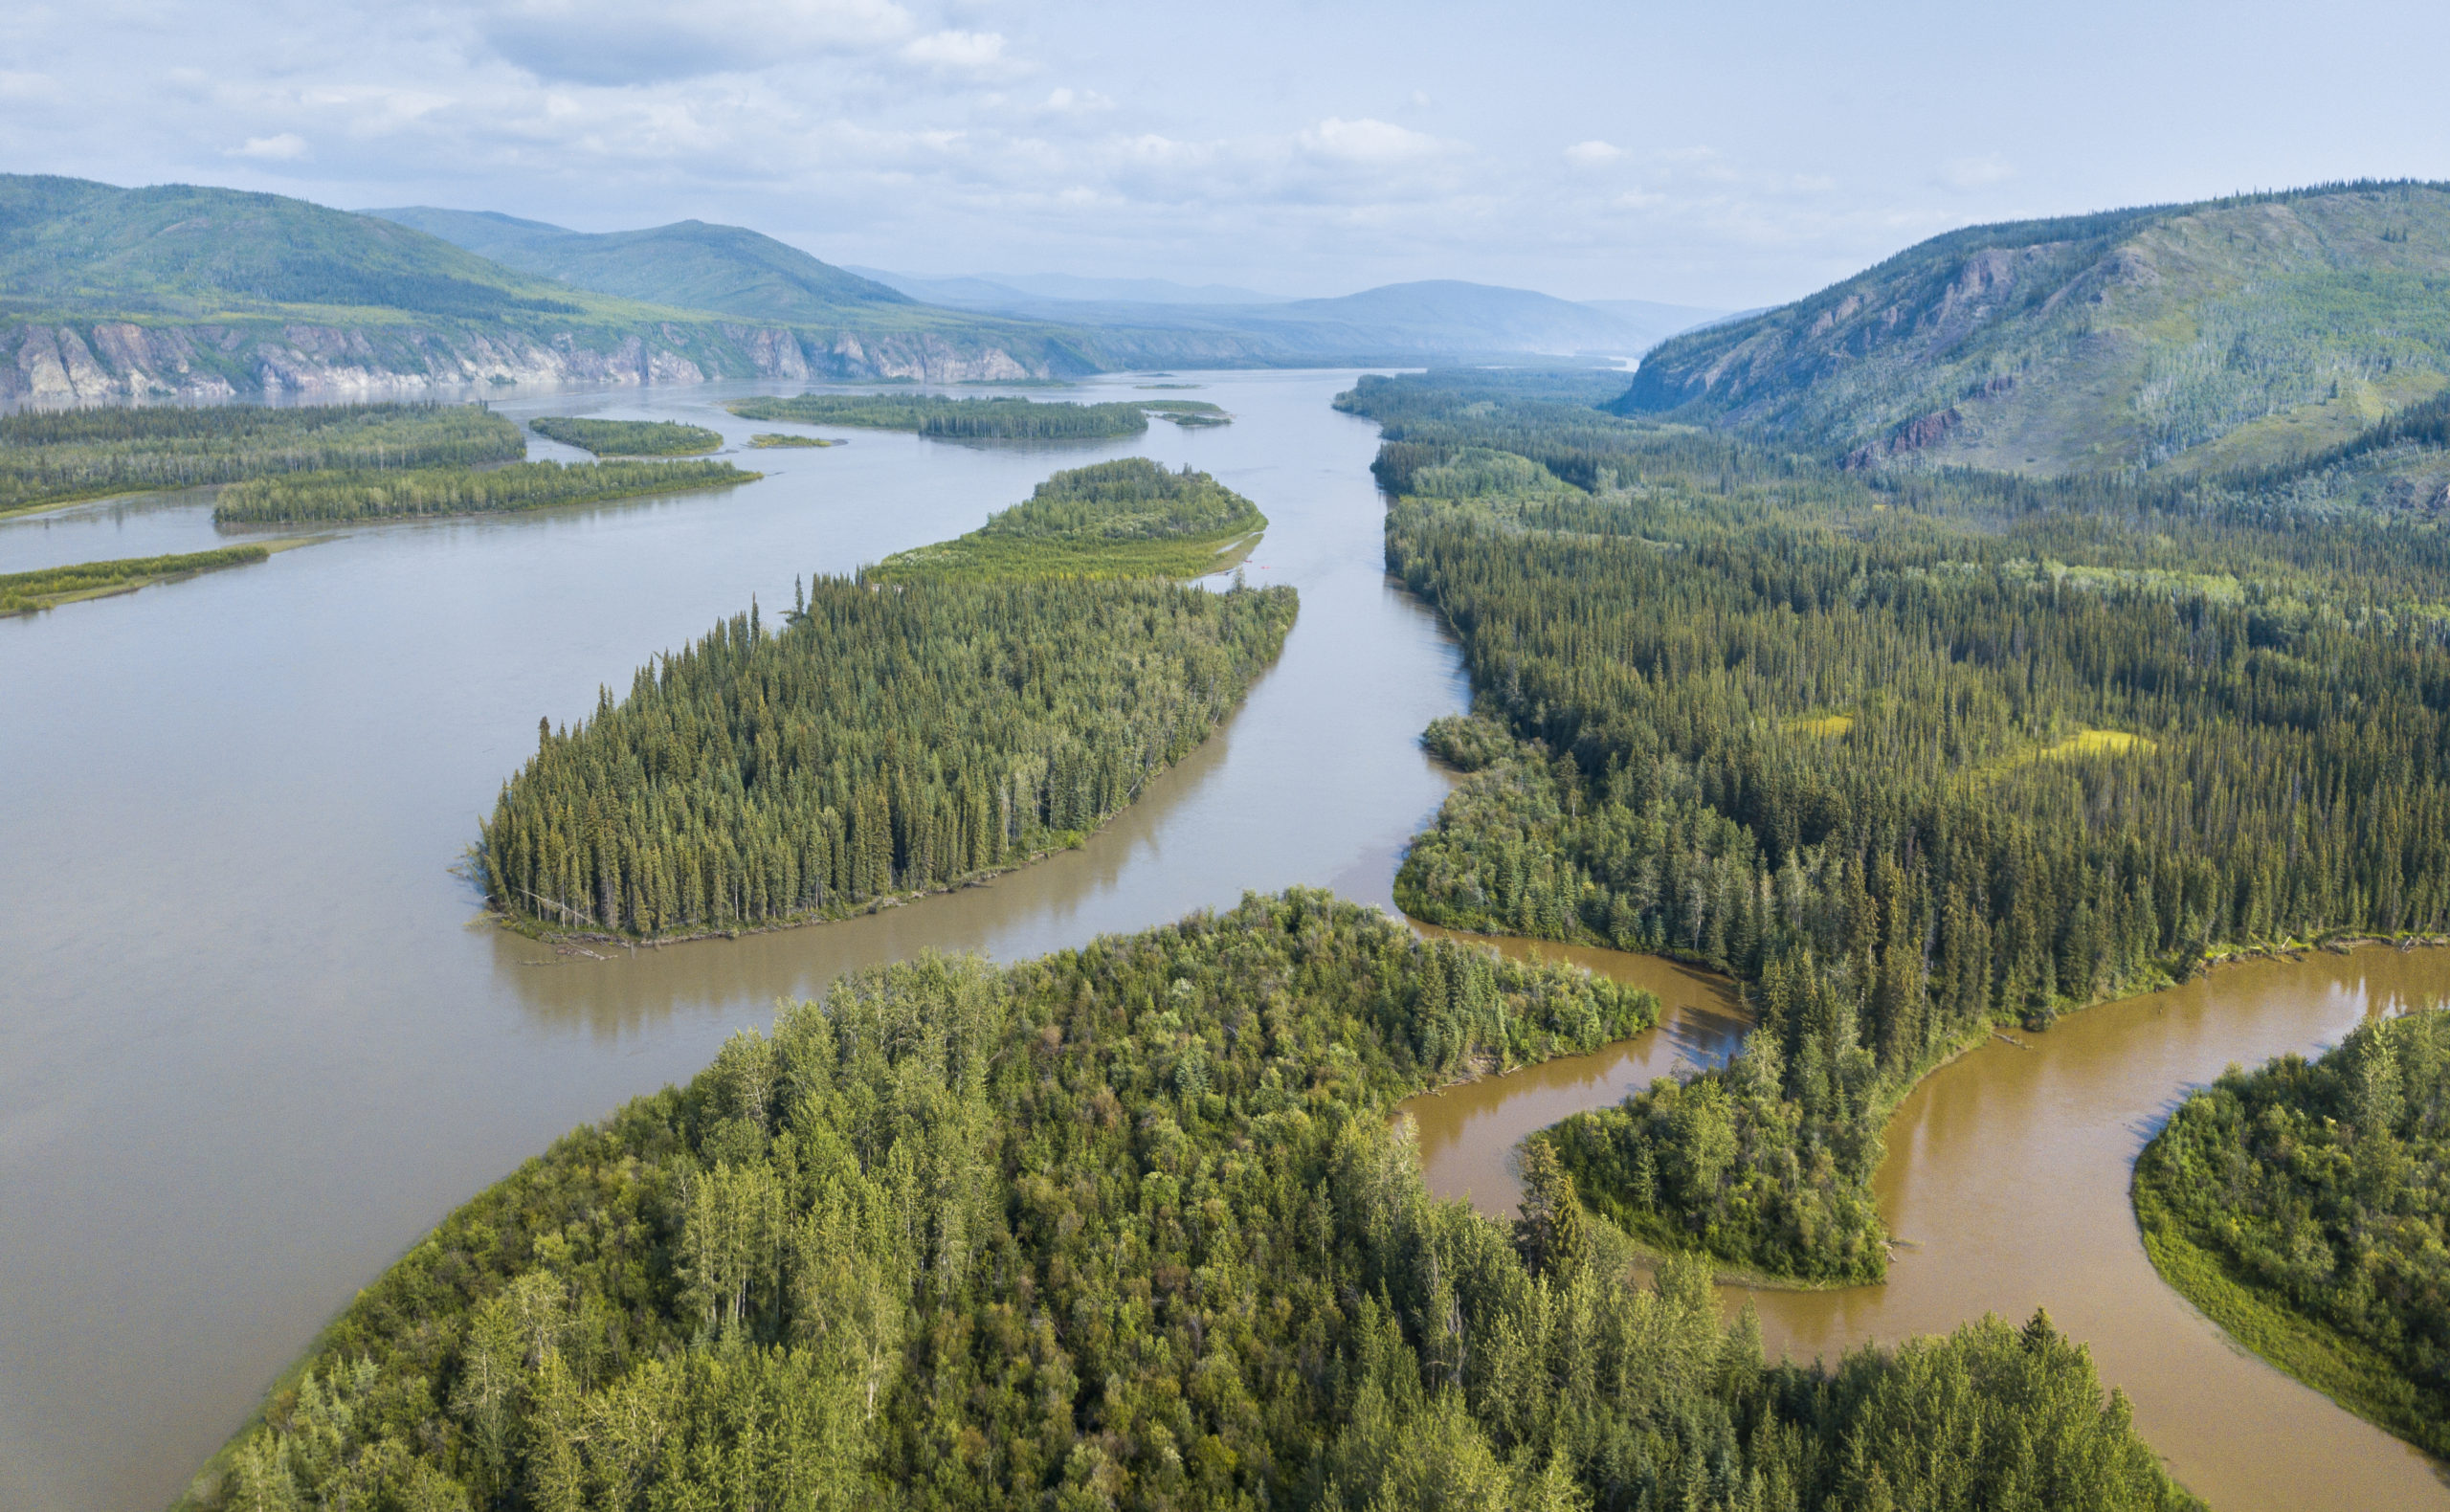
98 360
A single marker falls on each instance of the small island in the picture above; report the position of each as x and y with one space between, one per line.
1129 518
1002 418
50 459
628 437
765 439
46 588
427 492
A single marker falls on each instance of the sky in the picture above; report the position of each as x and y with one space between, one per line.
1726 155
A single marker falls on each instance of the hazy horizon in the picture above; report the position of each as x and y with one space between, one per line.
1729 159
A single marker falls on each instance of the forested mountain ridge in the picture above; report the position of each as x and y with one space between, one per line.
212 293
691 264
1125 1227
2227 334
1909 753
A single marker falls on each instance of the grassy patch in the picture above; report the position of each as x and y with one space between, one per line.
2350 1373
1829 727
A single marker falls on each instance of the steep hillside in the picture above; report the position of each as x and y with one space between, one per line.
729 269
209 293
2234 333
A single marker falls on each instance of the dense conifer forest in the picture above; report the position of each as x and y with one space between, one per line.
1003 417
422 492
884 740
51 457
1129 518
2306 1208
1124 1227
959 710
627 438
1912 755
25 592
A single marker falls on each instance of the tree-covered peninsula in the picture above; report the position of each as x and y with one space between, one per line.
341 496
627 438
2306 1208
50 457
1129 518
1125 1227
1004 417
1910 754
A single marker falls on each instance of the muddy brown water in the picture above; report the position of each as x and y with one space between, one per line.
2006 1188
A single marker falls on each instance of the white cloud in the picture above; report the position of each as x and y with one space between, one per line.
1068 102
1594 154
1973 173
970 52
286 148
1368 142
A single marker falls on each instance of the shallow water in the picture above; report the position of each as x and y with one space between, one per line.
2005 1187
253 1039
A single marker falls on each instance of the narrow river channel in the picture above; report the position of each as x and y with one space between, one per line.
2005 1188
253 1041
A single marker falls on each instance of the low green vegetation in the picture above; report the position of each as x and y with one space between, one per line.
427 492
1189 413
1129 518
50 457
769 438
1910 755
628 437
999 419
2306 1208
887 739
1125 1227
25 592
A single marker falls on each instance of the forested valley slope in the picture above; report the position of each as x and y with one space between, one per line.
2227 334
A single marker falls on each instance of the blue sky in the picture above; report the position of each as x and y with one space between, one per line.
1728 155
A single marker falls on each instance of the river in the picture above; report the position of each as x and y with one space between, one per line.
253 1039
2005 1188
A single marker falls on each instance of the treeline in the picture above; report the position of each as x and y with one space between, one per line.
886 741
2306 1208
357 495
1004 417
1125 1227
1127 518
627 438
58 456
1908 759
25 592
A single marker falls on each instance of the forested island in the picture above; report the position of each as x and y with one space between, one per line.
1124 1225
1003 417
627 438
1129 518
1911 754
2304 1208
341 496
51 458
46 588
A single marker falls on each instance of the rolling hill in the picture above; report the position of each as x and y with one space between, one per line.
2233 333
211 293
691 264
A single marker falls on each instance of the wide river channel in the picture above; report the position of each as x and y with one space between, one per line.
254 1039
